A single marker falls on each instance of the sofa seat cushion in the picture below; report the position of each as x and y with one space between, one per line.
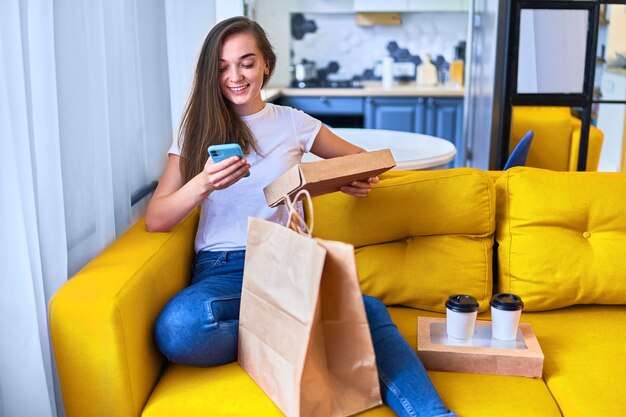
561 237
584 364
225 391
419 236
228 391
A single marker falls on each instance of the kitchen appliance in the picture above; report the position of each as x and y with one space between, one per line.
304 71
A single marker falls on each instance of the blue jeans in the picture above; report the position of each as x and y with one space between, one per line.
199 327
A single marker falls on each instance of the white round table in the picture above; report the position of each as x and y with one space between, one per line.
410 150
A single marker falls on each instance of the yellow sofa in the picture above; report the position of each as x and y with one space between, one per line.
557 138
419 237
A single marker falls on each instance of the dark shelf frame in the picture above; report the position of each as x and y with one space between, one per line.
511 98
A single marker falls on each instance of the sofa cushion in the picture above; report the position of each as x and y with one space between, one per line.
584 363
552 135
596 138
561 236
228 391
419 236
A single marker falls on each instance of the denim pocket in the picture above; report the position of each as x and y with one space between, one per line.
205 262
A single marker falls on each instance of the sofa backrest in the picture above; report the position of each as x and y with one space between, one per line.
561 237
420 236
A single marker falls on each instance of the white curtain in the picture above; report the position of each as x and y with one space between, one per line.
113 95
84 124
31 214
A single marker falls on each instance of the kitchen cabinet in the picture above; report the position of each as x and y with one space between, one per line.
407 114
378 6
334 111
325 105
436 116
410 5
444 119
440 117
438 6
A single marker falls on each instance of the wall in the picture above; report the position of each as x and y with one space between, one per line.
359 44
187 25
359 49
274 17
616 41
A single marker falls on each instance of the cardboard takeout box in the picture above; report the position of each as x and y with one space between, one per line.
328 175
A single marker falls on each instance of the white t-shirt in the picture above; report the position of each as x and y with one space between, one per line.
283 135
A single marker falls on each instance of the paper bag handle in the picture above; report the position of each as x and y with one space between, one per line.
292 213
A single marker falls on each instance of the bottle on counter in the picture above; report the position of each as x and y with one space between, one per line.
387 72
427 73
457 67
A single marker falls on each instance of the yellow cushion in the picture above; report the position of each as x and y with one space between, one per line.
584 363
596 137
557 137
561 236
552 139
419 237
228 391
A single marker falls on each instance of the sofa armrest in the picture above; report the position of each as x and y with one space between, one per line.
101 320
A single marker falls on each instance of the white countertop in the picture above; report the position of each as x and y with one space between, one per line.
369 89
410 150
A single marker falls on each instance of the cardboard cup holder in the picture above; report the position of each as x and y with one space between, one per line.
480 354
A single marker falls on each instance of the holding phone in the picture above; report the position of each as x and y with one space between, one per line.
220 152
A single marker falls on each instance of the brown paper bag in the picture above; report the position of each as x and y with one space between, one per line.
303 332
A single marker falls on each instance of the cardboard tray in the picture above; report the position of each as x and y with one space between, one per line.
328 175
480 355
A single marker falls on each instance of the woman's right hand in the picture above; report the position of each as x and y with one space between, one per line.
173 199
223 174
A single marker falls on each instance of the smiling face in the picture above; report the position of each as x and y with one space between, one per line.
242 69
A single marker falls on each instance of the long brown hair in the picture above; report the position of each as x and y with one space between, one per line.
208 118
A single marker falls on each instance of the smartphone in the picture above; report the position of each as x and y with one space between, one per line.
220 152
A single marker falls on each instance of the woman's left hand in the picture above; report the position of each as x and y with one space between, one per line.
359 189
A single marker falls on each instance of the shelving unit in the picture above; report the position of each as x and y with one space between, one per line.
609 107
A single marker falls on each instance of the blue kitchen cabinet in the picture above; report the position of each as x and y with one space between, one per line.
440 117
444 119
436 116
333 111
395 113
325 105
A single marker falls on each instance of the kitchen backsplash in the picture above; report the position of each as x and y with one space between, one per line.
329 38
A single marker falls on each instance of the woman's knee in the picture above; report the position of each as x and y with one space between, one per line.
377 314
373 306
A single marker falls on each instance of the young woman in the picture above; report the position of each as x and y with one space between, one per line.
199 326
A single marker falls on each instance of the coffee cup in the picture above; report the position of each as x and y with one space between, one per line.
461 311
506 310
